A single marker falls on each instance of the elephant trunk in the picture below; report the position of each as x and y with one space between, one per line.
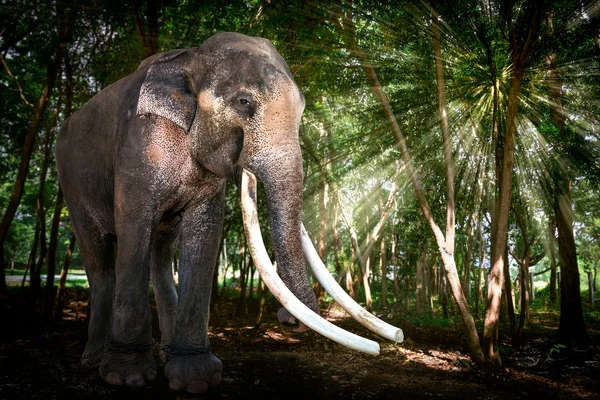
282 176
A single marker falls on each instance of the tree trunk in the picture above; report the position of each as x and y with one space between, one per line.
366 258
36 269
571 326
444 292
551 240
520 54
383 269
420 284
395 266
429 272
323 197
50 291
241 306
148 39
60 292
498 268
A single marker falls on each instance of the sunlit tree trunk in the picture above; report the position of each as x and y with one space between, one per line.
430 273
395 265
383 269
349 278
520 54
366 258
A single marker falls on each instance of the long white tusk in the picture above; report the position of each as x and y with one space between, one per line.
276 285
367 319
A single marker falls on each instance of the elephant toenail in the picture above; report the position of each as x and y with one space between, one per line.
113 378
176 384
135 380
150 374
216 379
197 387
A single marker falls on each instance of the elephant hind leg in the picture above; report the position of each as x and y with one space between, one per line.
97 251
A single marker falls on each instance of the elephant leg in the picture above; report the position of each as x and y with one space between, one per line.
192 366
128 358
97 254
163 286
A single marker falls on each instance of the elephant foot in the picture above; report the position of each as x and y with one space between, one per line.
131 369
289 322
193 373
92 355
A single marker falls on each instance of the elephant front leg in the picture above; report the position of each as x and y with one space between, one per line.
127 359
192 366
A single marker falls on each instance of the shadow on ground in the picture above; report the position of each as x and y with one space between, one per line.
270 363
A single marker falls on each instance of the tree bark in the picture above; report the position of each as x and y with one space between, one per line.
149 38
420 284
395 266
383 269
50 292
520 54
571 326
551 240
60 292
447 143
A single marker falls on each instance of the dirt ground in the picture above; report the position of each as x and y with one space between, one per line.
271 363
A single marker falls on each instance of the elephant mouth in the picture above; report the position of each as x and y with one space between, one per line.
287 299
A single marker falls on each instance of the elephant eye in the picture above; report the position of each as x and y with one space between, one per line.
244 106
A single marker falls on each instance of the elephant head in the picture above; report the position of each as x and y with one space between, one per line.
236 98
241 108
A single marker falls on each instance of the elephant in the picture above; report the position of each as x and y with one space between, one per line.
143 167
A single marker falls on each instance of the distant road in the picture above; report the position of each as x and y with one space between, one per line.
19 278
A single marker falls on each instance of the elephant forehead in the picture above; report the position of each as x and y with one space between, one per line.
208 101
284 109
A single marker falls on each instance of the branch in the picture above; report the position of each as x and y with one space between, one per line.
16 82
534 259
542 272
517 259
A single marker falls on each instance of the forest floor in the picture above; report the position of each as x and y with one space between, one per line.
269 362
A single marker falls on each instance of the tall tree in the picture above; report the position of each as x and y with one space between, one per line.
571 326
447 254
522 35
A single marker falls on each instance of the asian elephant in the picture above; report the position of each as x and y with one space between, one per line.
144 164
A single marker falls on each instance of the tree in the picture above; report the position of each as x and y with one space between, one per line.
522 35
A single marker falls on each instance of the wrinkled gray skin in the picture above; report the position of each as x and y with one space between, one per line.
144 163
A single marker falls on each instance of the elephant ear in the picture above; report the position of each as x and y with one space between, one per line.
167 89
